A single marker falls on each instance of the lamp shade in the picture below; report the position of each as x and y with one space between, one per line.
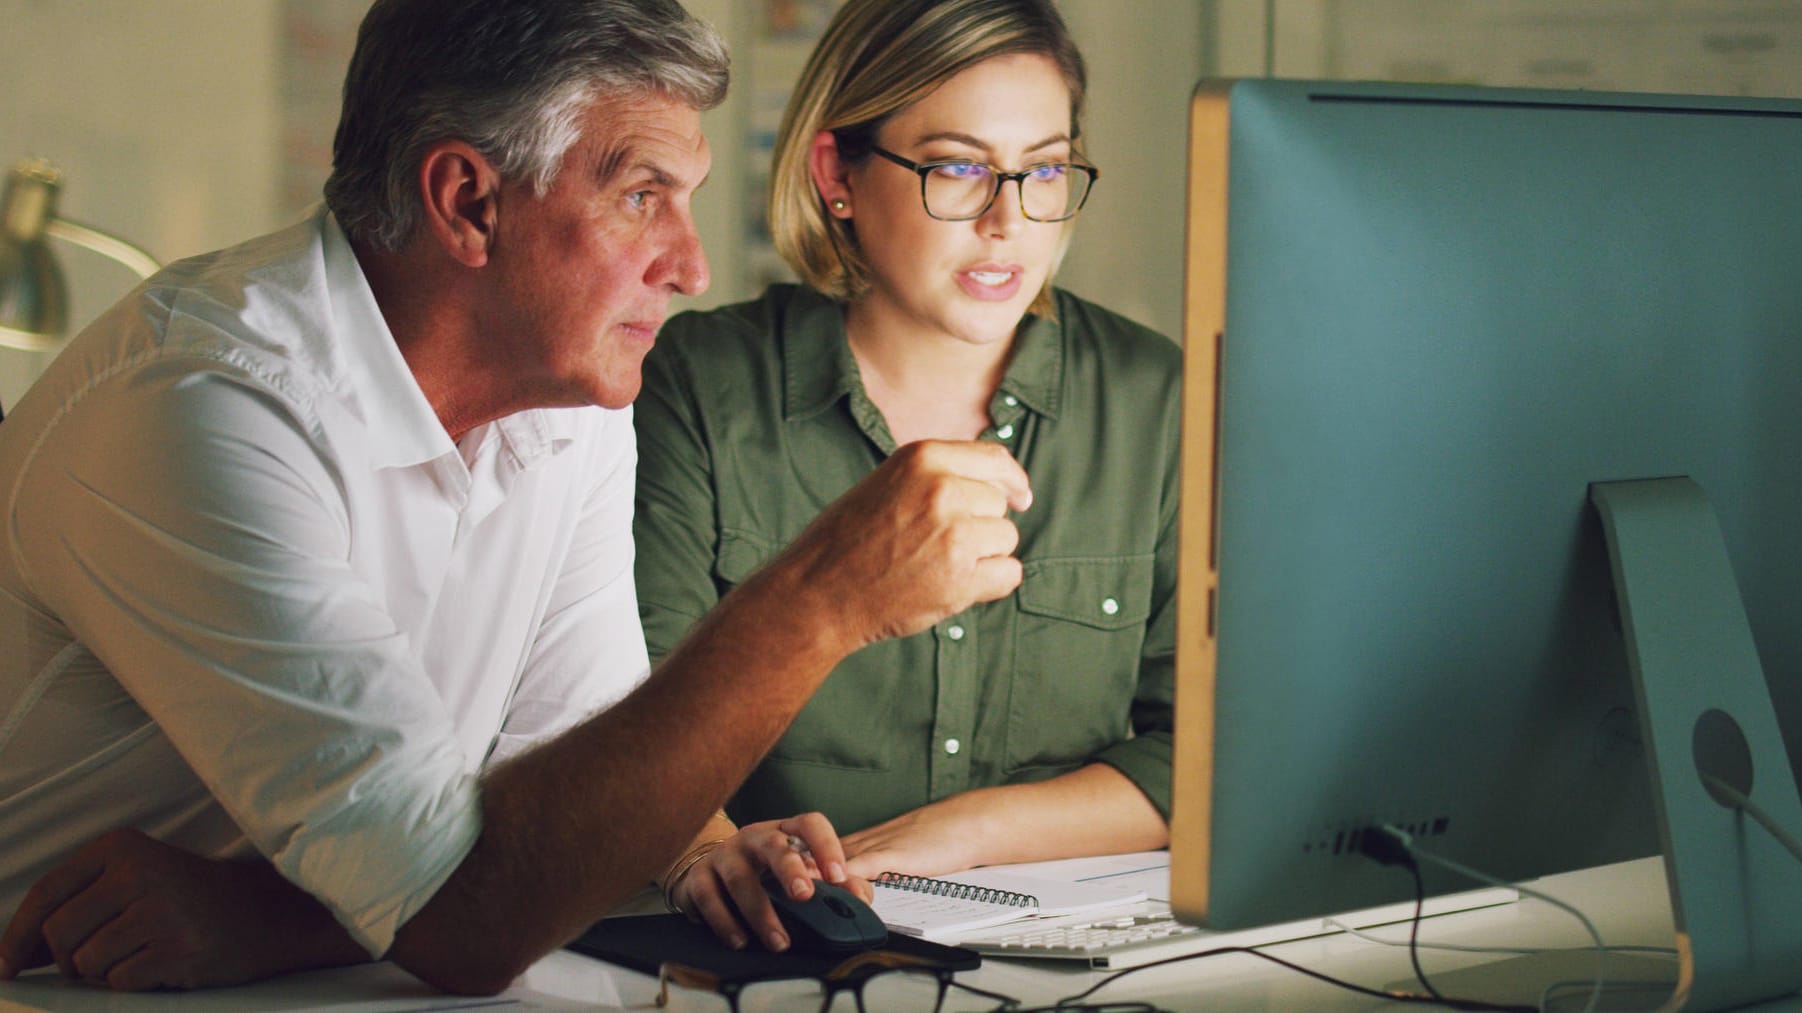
34 299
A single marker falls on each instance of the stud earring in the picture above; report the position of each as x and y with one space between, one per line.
838 204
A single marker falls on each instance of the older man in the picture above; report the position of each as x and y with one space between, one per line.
306 537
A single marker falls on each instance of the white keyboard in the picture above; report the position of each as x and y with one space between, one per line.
1125 941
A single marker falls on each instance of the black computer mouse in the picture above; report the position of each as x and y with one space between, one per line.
833 920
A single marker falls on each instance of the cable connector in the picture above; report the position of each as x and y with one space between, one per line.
1387 845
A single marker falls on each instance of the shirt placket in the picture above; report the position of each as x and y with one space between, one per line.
956 652
1006 416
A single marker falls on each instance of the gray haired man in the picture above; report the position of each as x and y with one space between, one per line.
319 634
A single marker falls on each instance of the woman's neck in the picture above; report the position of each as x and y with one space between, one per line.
927 385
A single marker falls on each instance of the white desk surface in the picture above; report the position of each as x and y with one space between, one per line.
1628 902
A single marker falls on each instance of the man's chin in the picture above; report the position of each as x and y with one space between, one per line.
618 395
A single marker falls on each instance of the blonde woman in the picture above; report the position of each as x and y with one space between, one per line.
926 181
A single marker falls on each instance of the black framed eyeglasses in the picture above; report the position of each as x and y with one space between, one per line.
959 190
875 981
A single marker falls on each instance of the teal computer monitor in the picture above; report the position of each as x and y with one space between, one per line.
1435 340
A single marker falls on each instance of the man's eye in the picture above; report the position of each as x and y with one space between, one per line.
961 170
639 199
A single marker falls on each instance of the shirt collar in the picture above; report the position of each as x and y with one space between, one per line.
381 383
818 367
531 436
388 395
1035 374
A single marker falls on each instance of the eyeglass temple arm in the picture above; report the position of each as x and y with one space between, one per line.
886 959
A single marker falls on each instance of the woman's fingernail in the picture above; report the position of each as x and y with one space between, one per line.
797 888
778 942
735 941
835 873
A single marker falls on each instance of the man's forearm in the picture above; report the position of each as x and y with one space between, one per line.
575 826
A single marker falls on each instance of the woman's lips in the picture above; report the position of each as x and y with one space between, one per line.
990 282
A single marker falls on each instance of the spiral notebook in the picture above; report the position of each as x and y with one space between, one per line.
947 907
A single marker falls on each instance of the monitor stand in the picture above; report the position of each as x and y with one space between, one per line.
1704 709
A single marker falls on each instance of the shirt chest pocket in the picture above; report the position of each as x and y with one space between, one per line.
1077 641
741 553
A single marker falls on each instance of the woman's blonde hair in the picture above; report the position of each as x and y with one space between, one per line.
877 58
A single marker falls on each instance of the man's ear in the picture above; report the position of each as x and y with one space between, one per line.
831 176
460 191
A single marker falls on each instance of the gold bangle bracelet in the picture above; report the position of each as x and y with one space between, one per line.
673 878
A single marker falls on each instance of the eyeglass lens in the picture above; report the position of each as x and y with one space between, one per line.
1051 192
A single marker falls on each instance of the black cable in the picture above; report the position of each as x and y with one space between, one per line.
1420 900
1075 1002
1377 844
1383 847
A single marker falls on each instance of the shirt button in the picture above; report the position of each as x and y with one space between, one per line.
1010 401
1109 606
1006 432
955 633
952 746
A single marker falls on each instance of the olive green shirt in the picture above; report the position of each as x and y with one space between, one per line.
754 417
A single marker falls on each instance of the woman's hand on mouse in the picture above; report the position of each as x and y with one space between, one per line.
723 888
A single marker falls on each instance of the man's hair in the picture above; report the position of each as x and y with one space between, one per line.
509 77
877 58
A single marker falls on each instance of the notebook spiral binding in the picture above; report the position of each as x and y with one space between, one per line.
959 891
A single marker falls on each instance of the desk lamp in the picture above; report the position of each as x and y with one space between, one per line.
34 301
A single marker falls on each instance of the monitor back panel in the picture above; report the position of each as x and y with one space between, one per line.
1420 321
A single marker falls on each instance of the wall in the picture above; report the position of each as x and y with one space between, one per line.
163 117
1128 248
1742 47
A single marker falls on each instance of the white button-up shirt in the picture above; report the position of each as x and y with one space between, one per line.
252 595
